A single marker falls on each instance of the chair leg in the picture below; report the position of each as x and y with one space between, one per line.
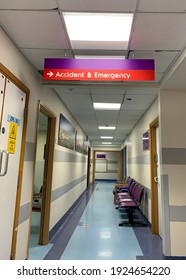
129 214
131 220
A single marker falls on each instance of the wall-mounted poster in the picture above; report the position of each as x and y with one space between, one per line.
101 155
85 147
79 142
66 135
146 140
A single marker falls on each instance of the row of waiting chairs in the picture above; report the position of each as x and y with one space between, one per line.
129 199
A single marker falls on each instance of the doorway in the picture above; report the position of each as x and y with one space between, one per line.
156 203
39 178
14 96
44 154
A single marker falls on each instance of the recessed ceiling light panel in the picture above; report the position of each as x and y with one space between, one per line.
106 106
107 127
98 27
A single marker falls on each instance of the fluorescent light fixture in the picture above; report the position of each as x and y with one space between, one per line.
106 137
106 143
107 127
98 27
107 106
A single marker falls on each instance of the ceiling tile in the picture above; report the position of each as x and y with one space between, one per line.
151 91
35 29
139 99
159 32
163 59
110 98
135 107
78 102
98 5
107 90
33 4
72 90
107 118
130 115
81 114
162 6
37 56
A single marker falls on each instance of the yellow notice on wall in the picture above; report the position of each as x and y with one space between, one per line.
12 137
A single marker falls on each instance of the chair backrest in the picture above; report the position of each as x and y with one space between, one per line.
137 195
132 188
127 178
131 180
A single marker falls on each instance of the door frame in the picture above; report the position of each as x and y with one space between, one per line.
48 171
153 173
88 167
10 76
123 163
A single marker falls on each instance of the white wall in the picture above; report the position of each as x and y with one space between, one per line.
173 170
68 176
138 160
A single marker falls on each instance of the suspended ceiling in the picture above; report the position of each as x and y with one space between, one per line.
37 28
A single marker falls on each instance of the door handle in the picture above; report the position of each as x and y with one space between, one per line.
4 158
156 179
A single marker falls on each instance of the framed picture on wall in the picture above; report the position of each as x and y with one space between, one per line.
79 142
146 141
85 146
101 156
66 134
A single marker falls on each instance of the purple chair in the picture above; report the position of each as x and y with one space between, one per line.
132 203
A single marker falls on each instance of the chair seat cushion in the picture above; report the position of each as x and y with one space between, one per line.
121 198
129 203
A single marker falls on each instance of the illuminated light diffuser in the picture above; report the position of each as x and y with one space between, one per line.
110 28
107 127
107 106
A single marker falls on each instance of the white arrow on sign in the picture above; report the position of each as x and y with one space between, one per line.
50 74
